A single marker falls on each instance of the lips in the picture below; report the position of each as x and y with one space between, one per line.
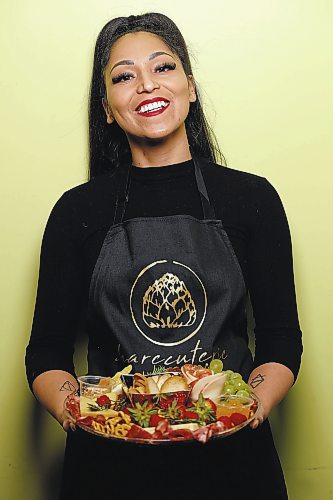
152 107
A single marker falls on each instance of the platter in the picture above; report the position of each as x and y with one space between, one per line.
201 434
173 407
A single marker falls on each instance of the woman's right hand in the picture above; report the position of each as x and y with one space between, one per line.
68 424
51 388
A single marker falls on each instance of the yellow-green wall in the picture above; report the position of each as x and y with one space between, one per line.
266 70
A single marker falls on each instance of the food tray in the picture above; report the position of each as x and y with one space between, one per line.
204 433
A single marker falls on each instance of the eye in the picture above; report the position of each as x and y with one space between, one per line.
123 77
162 68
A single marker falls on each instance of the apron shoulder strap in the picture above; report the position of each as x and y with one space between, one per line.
207 207
124 182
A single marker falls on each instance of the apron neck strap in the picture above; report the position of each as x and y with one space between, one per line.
124 179
207 207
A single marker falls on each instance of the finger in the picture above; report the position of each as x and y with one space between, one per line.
256 422
68 425
65 425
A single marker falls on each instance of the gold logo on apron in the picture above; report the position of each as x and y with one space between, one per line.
162 306
167 303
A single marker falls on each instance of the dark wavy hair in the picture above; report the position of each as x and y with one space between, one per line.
108 144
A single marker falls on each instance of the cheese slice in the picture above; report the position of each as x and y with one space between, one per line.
87 411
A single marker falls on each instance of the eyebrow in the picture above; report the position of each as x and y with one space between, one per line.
128 62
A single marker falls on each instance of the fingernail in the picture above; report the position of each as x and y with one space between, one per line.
72 426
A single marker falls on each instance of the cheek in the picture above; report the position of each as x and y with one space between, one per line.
118 100
184 104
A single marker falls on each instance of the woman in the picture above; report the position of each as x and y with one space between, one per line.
153 209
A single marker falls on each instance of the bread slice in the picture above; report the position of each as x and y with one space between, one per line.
152 386
174 383
162 378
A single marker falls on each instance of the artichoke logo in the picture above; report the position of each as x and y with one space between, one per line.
167 303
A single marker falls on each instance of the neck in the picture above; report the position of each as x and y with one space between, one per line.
157 153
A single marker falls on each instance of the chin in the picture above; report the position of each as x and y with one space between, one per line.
157 135
152 137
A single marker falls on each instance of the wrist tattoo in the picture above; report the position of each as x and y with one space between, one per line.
69 387
257 380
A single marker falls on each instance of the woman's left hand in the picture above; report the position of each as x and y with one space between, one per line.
270 382
260 418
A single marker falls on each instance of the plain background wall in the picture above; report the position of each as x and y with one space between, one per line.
265 70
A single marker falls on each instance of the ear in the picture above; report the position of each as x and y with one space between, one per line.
191 89
108 112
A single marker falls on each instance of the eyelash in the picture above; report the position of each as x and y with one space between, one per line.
125 76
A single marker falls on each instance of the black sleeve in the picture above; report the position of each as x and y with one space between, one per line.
271 284
59 295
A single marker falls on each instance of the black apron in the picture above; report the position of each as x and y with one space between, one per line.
167 291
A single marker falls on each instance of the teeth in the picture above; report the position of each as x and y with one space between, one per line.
152 106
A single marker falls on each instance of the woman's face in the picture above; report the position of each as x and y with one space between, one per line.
148 93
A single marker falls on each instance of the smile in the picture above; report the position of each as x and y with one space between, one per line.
152 108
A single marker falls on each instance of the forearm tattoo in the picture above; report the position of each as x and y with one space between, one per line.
69 387
257 380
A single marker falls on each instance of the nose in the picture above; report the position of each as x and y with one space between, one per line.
146 83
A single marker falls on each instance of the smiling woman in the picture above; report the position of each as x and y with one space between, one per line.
139 59
141 252
149 95
152 72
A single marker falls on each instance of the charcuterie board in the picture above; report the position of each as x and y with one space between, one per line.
166 408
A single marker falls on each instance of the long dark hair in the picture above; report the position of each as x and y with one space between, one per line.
108 143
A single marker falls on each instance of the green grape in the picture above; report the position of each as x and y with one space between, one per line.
235 376
239 384
228 373
216 365
228 389
248 388
242 394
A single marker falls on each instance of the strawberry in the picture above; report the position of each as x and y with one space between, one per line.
180 397
164 401
211 404
174 411
191 415
237 418
142 413
139 398
182 410
205 409
103 400
154 419
226 421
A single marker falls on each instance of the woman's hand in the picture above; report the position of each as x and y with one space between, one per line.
260 417
270 383
69 424
51 388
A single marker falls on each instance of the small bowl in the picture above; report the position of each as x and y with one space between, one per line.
93 386
226 405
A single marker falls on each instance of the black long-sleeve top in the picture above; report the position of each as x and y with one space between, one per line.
251 213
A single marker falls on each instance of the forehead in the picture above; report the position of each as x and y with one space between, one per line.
136 46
